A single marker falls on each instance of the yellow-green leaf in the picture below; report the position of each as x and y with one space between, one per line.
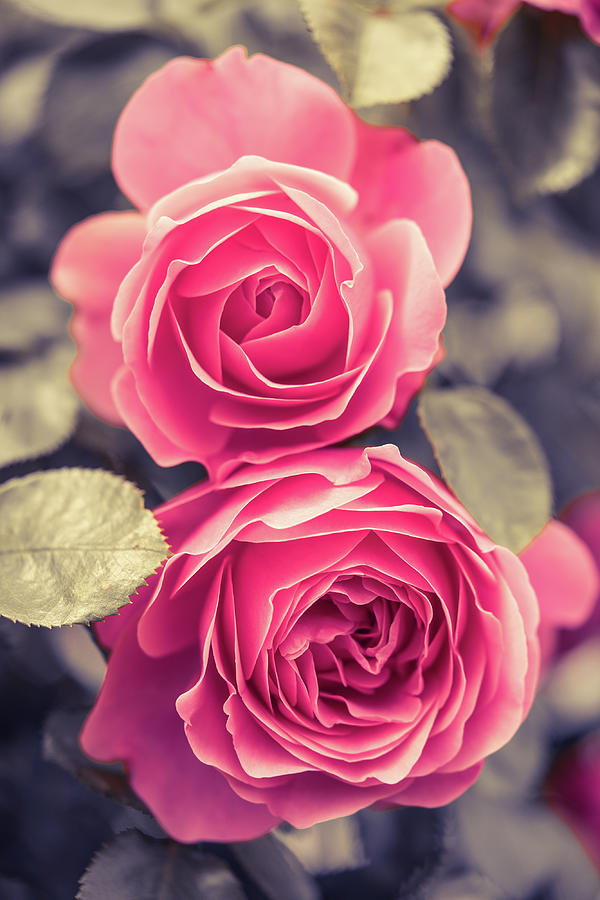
491 459
75 544
382 52
38 406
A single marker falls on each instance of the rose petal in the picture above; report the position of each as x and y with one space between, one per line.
98 359
565 578
88 267
398 177
135 720
194 117
93 258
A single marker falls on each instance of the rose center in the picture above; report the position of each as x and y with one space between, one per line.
356 627
263 305
279 294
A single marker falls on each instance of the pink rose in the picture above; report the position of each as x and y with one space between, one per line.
487 16
280 288
575 793
563 571
583 517
333 631
575 781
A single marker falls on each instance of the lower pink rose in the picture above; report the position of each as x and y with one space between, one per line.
333 631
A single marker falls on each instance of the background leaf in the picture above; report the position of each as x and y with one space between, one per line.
545 102
61 746
520 329
78 135
74 545
88 14
31 314
137 867
382 52
38 406
274 869
492 461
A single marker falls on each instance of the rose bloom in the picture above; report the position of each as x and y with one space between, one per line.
575 793
279 286
583 517
580 522
575 781
487 16
333 631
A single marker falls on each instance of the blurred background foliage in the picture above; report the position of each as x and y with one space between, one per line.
523 324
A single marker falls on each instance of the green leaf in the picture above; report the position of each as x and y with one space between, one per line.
136 867
30 314
274 869
110 14
75 544
38 406
115 15
382 52
545 102
492 461
518 329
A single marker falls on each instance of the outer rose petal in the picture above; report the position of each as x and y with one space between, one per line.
398 177
194 117
97 360
565 579
583 516
88 267
135 720
93 258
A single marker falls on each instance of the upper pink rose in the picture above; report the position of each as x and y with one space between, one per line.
487 16
280 288
333 631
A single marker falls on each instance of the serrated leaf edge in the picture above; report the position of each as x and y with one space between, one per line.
144 583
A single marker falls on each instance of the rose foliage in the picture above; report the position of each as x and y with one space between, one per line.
333 631
280 285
